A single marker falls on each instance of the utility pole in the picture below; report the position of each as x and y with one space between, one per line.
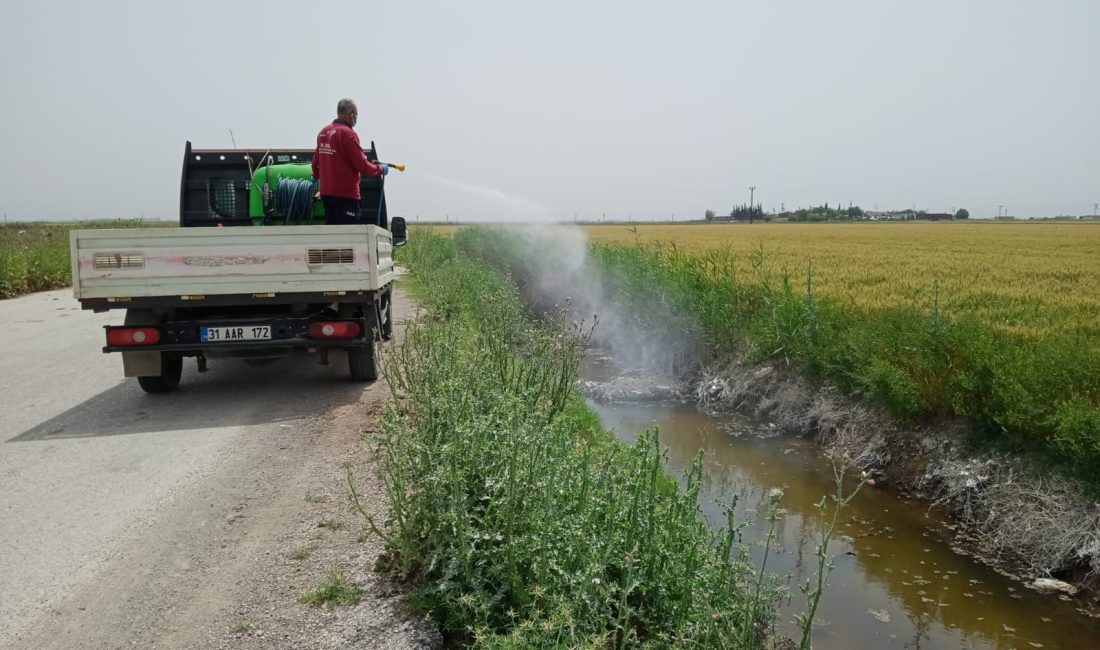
752 192
999 208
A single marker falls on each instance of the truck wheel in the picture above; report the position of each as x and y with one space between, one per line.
361 363
171 368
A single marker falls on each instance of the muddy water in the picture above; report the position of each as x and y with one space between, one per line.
897 583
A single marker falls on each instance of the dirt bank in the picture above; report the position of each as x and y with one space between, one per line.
1011 515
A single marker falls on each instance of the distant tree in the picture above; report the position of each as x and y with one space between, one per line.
963 213
709 215
745 213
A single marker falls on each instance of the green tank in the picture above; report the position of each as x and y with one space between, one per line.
270 174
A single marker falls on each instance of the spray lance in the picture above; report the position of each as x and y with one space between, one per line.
385 168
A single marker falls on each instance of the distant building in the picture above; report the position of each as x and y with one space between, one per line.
1089 217
1005 218
937 216
892 215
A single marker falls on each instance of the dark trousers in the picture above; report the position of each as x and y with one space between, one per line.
341 210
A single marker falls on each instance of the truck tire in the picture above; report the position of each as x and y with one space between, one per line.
387 327
171 369
362 364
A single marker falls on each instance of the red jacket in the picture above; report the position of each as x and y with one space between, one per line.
338 161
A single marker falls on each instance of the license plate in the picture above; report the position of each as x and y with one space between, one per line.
229 334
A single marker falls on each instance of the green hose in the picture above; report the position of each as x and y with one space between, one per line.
294 199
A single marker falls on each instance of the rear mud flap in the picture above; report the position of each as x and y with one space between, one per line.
141 364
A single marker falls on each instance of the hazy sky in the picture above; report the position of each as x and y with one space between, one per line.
521 109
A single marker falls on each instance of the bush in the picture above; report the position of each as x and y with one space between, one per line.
1077 427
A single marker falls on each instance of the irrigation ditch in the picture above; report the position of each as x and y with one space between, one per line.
947 547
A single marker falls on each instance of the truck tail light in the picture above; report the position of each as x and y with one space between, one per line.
133 336
338 329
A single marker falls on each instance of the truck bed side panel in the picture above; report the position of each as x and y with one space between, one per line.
219 261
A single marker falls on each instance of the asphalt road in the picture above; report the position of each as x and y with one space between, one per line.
132 519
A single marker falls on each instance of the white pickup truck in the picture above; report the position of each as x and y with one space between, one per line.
230 284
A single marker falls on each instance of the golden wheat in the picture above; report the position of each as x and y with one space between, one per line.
1029 279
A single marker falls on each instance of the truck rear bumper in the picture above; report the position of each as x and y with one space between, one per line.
253 346
186 338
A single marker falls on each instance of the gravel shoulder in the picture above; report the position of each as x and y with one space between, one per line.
203 535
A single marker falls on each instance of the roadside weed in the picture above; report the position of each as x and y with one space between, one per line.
241 627
334 590
302 552
315 498
516 518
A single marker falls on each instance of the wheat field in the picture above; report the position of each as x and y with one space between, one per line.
1031 279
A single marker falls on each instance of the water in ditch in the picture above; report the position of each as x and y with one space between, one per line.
897 583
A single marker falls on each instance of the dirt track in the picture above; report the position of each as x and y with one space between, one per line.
134 520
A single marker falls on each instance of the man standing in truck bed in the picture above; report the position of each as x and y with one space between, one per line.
338 162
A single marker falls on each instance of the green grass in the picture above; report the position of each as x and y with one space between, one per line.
335 590
34 256
516 519
332 524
